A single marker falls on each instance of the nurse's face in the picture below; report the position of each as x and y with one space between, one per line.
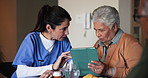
61 31
104 32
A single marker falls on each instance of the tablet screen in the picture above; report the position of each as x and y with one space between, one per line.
82 56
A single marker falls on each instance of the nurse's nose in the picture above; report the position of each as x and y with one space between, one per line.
67 32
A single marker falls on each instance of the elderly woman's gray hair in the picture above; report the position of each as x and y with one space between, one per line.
107 15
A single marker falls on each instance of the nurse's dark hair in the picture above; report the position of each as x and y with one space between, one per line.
53 16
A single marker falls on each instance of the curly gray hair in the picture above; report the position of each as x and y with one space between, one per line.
107 15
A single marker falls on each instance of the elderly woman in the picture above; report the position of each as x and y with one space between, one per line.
118 52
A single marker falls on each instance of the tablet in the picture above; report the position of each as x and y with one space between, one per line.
81 57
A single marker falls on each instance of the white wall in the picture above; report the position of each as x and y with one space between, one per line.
125 14
78 7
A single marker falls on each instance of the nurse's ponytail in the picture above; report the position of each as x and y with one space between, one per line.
42 15
53 16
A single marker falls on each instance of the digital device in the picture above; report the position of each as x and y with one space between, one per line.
81 57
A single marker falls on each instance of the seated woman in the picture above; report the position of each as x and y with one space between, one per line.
118 51
45 47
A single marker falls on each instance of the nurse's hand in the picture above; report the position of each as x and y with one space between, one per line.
98 67
47 74
65 55
61 60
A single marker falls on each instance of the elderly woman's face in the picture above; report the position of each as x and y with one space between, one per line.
103 32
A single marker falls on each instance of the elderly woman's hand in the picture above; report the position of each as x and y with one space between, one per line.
98 67
47 74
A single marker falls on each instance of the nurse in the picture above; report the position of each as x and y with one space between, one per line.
47 46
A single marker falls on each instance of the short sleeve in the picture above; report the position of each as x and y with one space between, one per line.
24 55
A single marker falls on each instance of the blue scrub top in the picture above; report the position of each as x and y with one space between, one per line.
33 53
